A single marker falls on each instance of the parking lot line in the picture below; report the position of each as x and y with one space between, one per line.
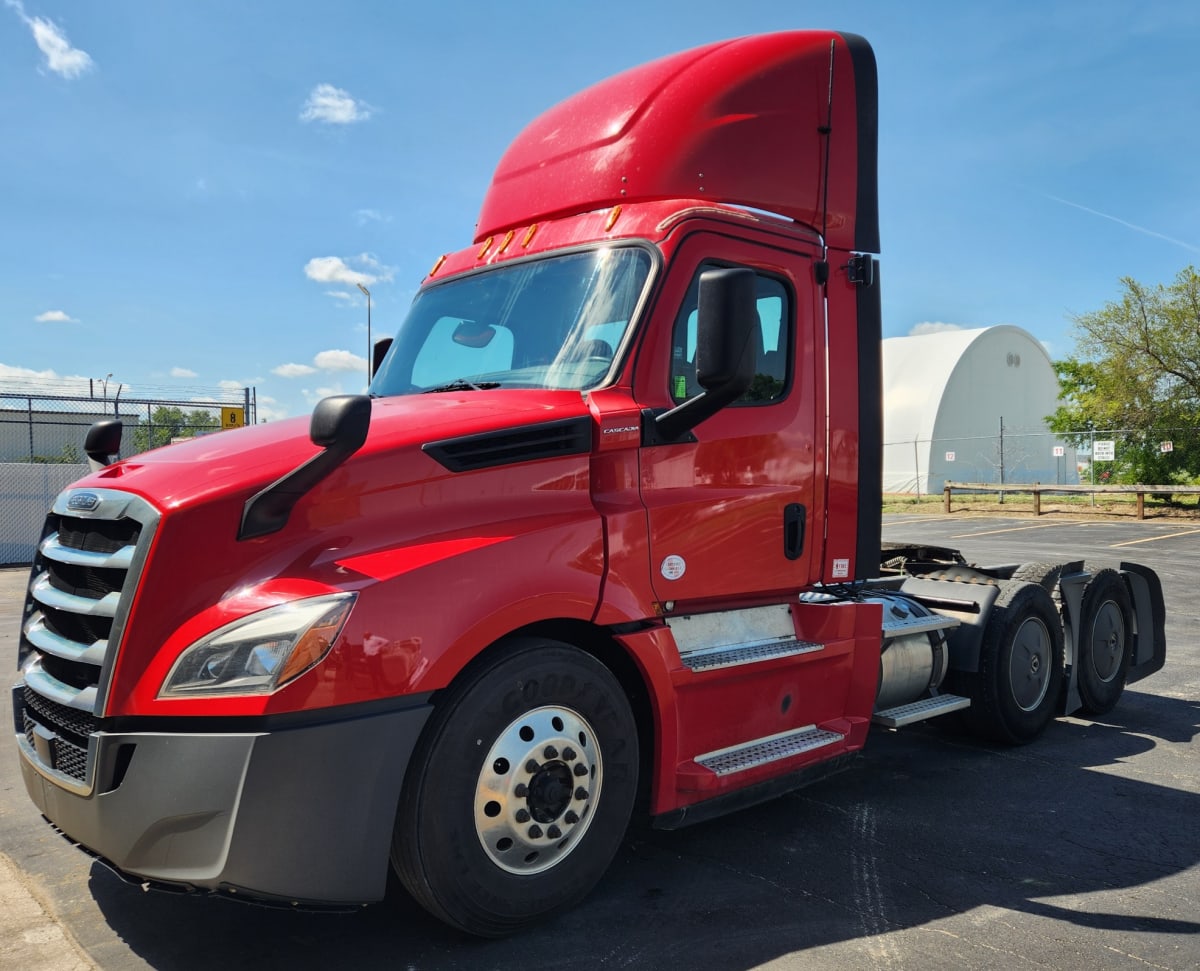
1154 539
1009 529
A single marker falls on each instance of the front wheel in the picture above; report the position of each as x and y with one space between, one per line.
519 793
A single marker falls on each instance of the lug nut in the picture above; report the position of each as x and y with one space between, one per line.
550 752
532 766
535 831
521 791
522 816
580 769
581 793
554 832
570 818
568 755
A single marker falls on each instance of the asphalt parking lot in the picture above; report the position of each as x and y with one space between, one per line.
1081 851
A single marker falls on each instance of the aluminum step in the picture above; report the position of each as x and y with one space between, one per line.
727 656
748 755
919 711
894 626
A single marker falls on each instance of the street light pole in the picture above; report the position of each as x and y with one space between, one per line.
370 349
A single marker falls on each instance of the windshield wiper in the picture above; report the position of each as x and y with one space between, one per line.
462 384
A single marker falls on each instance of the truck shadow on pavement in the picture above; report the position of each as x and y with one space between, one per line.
971 846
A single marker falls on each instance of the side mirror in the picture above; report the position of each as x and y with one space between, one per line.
341 422
339 425
726 348
103 441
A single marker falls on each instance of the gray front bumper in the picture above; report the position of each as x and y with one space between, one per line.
299 815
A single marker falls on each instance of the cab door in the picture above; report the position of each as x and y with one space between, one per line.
732 509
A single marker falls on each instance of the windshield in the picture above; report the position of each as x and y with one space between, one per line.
553 323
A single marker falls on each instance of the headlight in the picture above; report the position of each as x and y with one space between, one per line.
262 652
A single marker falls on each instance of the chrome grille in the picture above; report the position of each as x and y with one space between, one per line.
84 576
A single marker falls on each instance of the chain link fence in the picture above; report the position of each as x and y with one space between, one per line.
1083 457
42 434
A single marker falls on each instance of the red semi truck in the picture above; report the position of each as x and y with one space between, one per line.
602 542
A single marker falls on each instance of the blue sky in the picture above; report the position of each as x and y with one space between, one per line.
190 192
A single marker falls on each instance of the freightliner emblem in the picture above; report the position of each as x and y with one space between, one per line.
83 502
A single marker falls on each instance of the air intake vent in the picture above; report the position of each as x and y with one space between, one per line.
552 439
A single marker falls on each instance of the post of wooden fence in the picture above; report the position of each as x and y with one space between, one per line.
946 498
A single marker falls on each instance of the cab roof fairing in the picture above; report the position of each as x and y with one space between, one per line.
740 122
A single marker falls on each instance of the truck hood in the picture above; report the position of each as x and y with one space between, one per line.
246 460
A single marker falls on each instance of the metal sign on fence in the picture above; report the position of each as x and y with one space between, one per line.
233 417
1104 451
1059 451
1166 447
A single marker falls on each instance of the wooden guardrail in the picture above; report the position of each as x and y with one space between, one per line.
1038 489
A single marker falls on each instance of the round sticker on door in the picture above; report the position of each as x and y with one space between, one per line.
673 567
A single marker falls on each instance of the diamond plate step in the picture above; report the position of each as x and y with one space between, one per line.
709 659
739 758
919 711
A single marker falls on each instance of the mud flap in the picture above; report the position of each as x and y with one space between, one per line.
1150 648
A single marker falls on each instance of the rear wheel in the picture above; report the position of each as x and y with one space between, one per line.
1015 691
520 791
1105 639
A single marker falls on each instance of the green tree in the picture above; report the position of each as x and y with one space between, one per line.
1137 370
167 423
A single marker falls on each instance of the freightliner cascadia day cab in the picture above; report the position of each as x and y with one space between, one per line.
602 542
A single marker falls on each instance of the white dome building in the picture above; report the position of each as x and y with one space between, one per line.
970 406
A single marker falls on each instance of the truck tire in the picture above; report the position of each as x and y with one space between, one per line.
519 791
1105 641
1015 692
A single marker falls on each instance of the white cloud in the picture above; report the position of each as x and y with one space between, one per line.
334 106
293 370
932 327
340 361
183 372
228 385
333 269
313 395
47 382
364 216
55 317
342 295
61 57
268 409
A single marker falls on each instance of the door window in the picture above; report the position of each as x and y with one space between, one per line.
772 376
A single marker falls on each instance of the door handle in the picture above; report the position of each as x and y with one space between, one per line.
794 515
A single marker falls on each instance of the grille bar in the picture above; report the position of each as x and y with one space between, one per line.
48 686
53 549
45 593
44 639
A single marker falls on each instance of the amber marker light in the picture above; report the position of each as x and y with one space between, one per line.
508 238
613 216
315 643
438 265
529 236
487 245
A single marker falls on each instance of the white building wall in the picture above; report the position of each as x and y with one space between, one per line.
945 395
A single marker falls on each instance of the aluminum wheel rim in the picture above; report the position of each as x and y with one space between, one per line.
1108 641
536 790
1030 664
